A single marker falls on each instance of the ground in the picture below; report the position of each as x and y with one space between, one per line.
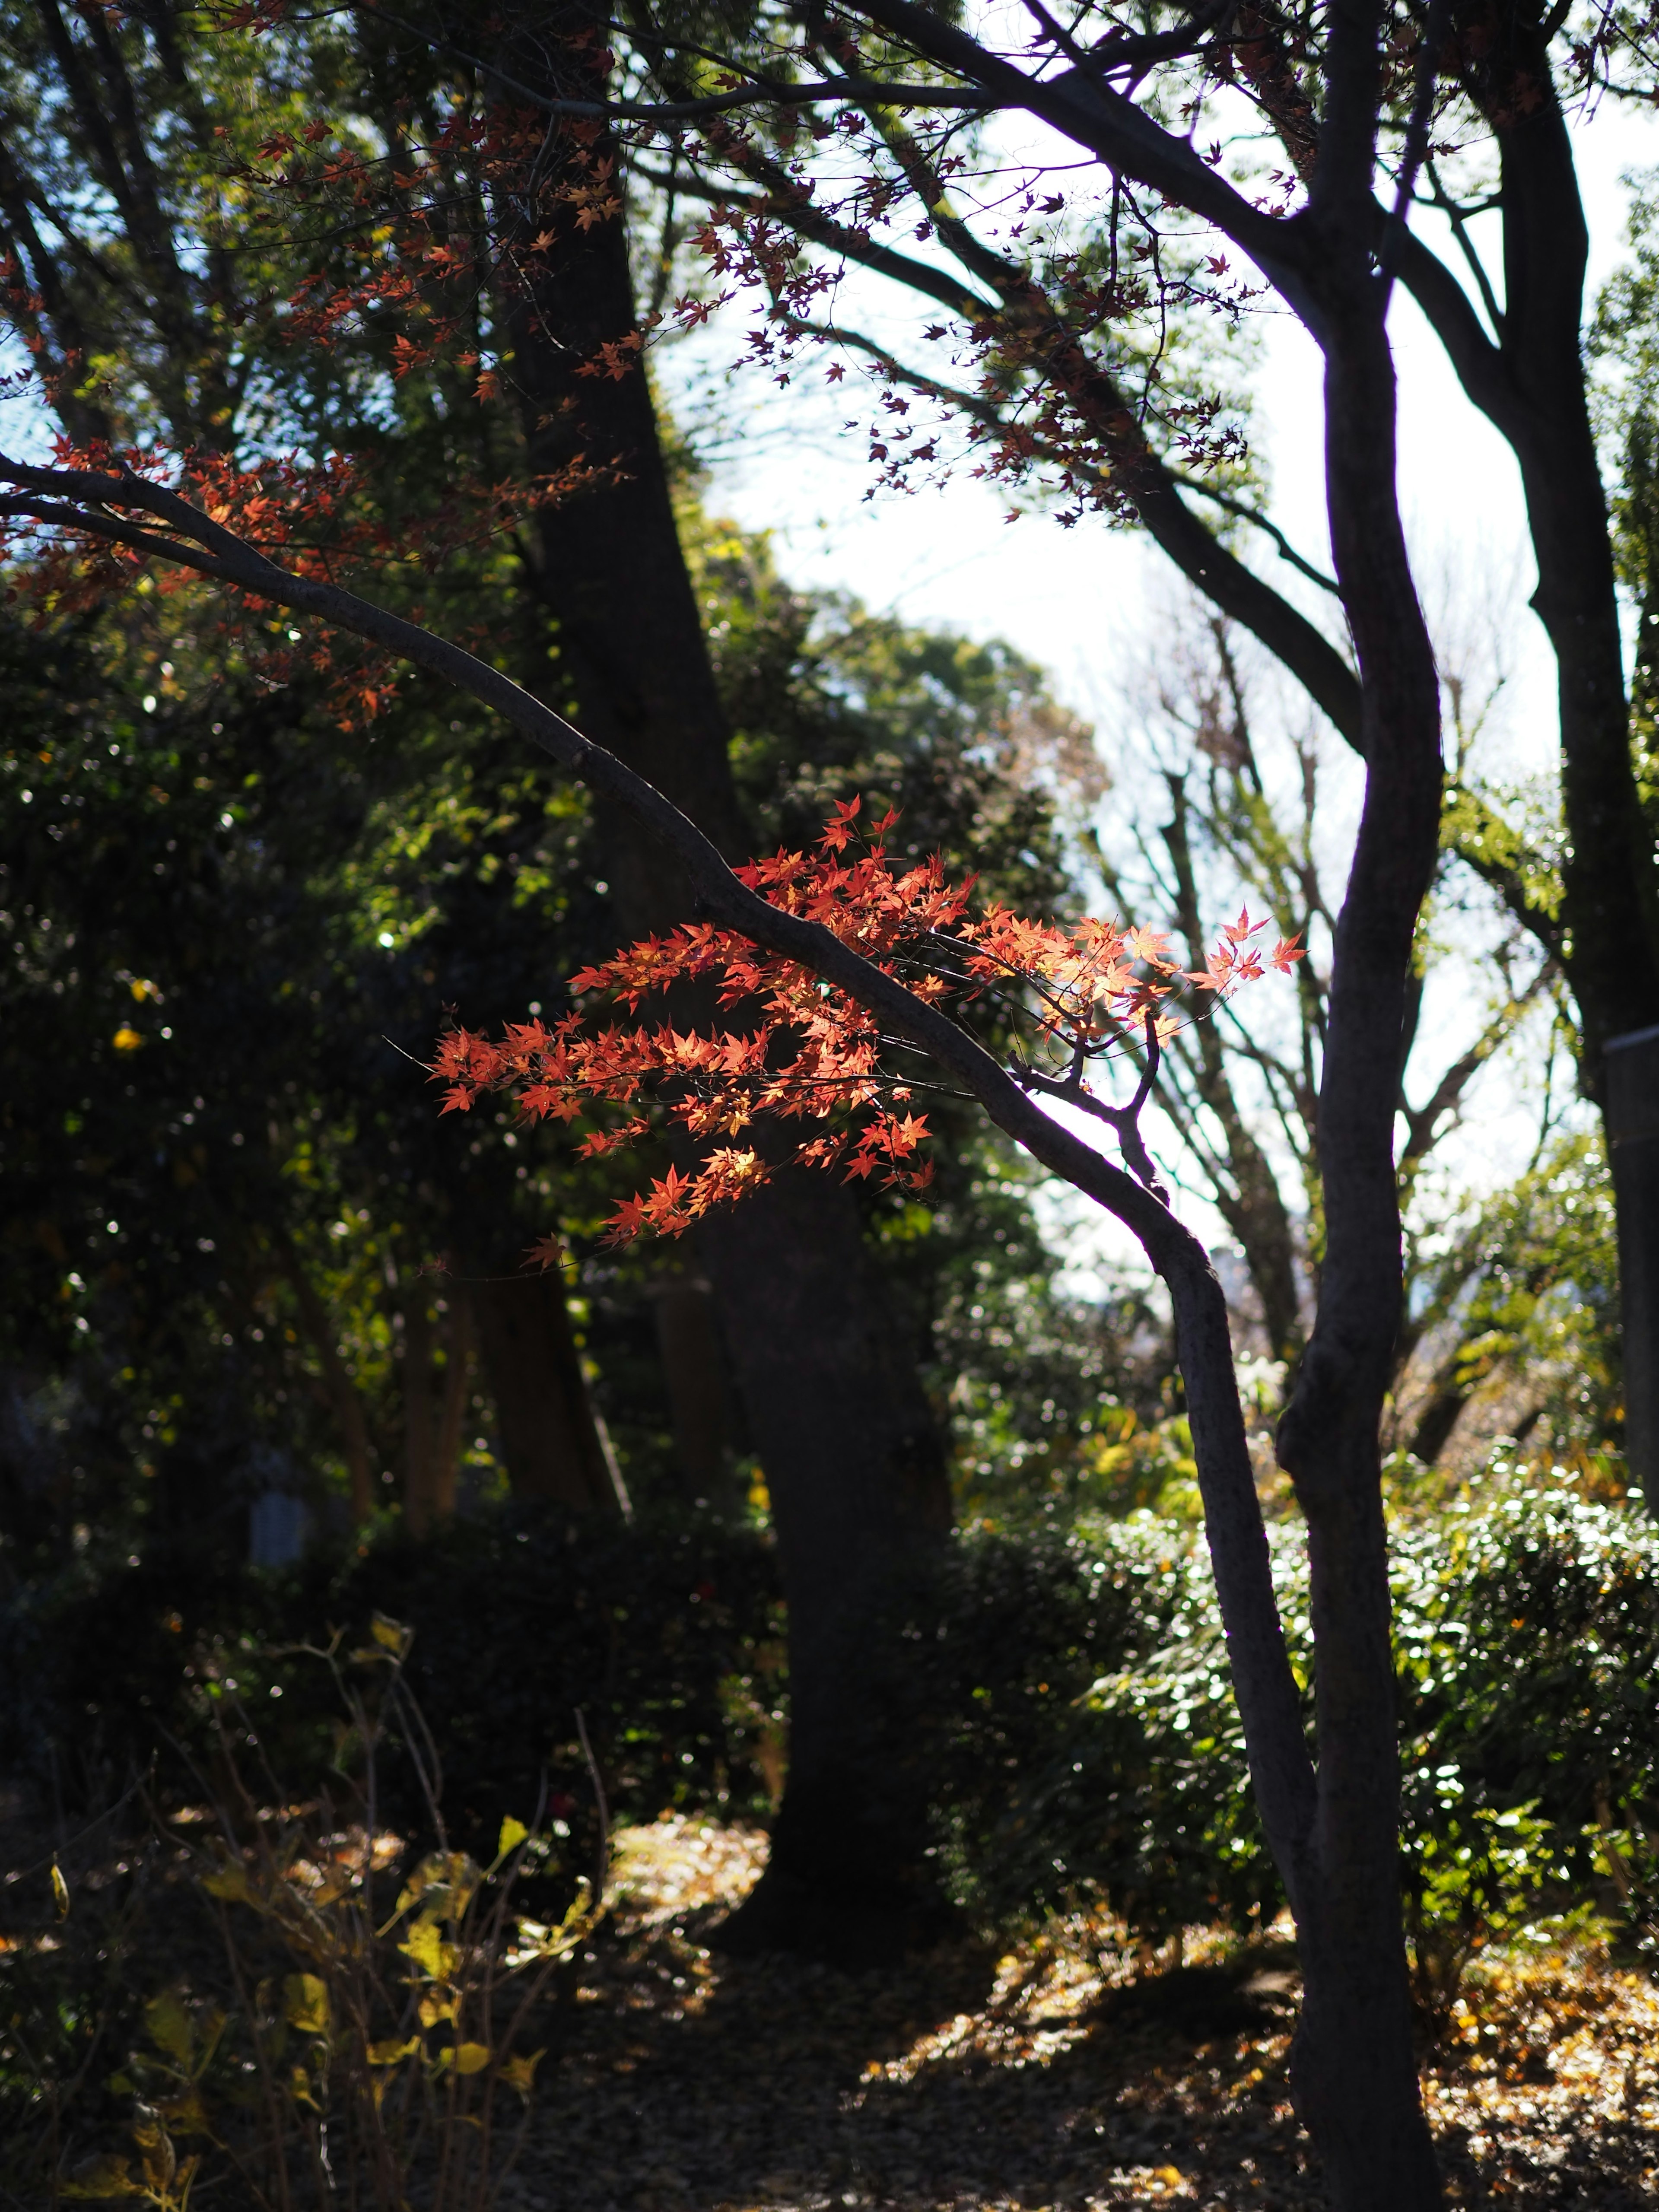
1060 2074
1070 2072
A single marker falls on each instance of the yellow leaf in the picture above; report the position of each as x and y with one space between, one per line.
512 1834
126 1039
186 2115
519 2074
391 1635
155 2152
472 2057
391 2052
304 2003
425 1947
60 1896
168 2025
432 2009
230 1882
107 2176
1170 2176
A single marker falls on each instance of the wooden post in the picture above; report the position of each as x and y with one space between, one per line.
1632 1120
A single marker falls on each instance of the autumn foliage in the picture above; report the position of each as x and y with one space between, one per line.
804 1052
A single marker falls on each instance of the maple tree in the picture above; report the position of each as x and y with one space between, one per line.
815 1053
1071 342
1353 100
57 513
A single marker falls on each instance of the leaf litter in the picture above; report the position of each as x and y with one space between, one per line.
1071 2073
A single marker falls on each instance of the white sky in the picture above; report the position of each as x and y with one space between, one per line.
1082 603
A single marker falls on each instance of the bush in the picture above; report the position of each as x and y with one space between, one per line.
1065 1698
657 1634
365 2029
1091 1748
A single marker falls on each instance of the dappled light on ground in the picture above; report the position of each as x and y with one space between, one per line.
1071 2071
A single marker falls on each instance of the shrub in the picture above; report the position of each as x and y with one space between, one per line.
368 2010
1092 1747
519 1619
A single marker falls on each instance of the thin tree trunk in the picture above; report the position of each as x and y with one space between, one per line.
1529 381
1353 2068
694 1369
458 1391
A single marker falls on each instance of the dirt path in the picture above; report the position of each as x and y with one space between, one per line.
1048 2078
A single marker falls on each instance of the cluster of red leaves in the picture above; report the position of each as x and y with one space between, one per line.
418 251
319 520
808 1054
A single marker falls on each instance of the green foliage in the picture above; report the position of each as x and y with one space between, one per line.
368 2007
1528 1642
1525 1294
1089 1746
1065 1699
519 1619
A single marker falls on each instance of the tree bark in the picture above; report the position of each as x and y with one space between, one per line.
543 1410
835 1407
1633 1150
694 1368
1354 2067
1610 889
458 1390
420 1412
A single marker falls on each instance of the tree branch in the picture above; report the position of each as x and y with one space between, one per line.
98 503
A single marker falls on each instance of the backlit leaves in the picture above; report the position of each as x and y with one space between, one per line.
807 1053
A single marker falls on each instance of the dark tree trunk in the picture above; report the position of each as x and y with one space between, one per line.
543 1411
1353 2068
833 1405
1634 1146
1610 889
694 1368
1531 384
420 1415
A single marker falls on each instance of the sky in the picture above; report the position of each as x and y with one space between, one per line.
1083 603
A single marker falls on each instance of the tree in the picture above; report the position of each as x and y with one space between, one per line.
1333 1828
1082 329
835 1407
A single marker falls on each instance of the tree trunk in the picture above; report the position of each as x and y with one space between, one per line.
694 1368
543 1410
1353 2068
1610 890
419 1410
835 1407
1531 385
1633 1150
458 1390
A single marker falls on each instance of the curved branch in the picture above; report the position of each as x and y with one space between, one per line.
1269 1705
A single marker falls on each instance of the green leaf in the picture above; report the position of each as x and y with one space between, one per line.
512 1834
168 2025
